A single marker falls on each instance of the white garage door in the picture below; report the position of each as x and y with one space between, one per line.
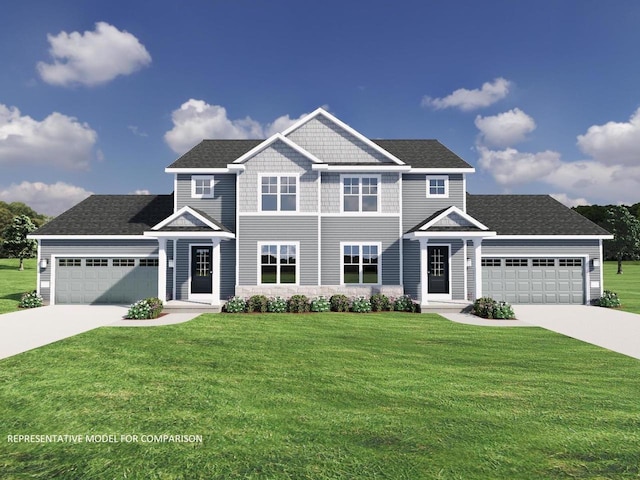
105 280
534 280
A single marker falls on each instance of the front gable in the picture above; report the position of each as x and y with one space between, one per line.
334 142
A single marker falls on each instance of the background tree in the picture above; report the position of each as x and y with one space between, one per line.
10 210
15 243
626 234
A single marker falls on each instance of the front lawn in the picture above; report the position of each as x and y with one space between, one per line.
13 282
323 396
627 285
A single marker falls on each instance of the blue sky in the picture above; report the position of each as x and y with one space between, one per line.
100 96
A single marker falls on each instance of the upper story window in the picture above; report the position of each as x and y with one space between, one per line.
278 193
361 193
202 186
437 186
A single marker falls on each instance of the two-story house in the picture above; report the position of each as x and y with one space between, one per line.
319 209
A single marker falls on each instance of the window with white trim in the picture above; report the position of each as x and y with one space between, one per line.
570 262
202 186
543 262
97 262
360 193
437 186
361 264
149 262
491 262
516 262
124 262
278 263
69 262
278 193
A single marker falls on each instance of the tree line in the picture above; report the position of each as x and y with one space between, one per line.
17 220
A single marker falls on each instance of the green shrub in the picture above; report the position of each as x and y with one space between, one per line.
258 303
30 300
320 304
298 304
339 303
145 309
236 305
405 304
608 299
380 303
487 307
277 305
361 305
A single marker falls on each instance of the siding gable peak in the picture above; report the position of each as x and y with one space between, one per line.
278 137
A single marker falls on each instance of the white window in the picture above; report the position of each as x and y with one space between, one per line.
543 262
278 193
570 262
148 262
360 193
361 263
202 186
69 262
124 262
516 262
97 262
491 262
278 263
437 186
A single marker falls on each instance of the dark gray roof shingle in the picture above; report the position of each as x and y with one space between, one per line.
111 215
529 215
416 153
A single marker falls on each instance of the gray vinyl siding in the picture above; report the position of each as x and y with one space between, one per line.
227 269
416 207
332 144
278 158
550 247
100 248
298 228
331 192
411 266
360 229
221 207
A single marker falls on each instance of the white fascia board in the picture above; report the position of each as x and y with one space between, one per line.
442 170
458 234
87 237
179 213
182 235
197 171
362 168
554 237
454 209
269 141
341 124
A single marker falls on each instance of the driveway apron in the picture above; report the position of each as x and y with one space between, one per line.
28 329
611 329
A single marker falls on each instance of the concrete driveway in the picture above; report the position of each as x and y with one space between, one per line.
32 328
612 329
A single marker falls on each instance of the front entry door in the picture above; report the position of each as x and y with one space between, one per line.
438 269
201 269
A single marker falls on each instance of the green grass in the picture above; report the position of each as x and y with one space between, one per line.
627 285
13 282
324 396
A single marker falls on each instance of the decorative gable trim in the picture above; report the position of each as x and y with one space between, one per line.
183 212
449 211
268 142
344 126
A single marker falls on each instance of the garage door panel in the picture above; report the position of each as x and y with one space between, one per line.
550 284
105 284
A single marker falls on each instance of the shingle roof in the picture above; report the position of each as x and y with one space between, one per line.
416 153
111 215
529 215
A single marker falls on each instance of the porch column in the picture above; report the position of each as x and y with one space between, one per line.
215 267
162 269
424 277
477 267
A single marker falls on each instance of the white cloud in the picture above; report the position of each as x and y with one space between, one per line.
143 191
613 143
196 120
467 100
568 201
58 140
136 131
50 199
505 129
511 167
92 57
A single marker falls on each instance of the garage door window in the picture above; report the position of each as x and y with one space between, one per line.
97 262
491 262
124 262
570 262
148 262
543 262
516 262
69 262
